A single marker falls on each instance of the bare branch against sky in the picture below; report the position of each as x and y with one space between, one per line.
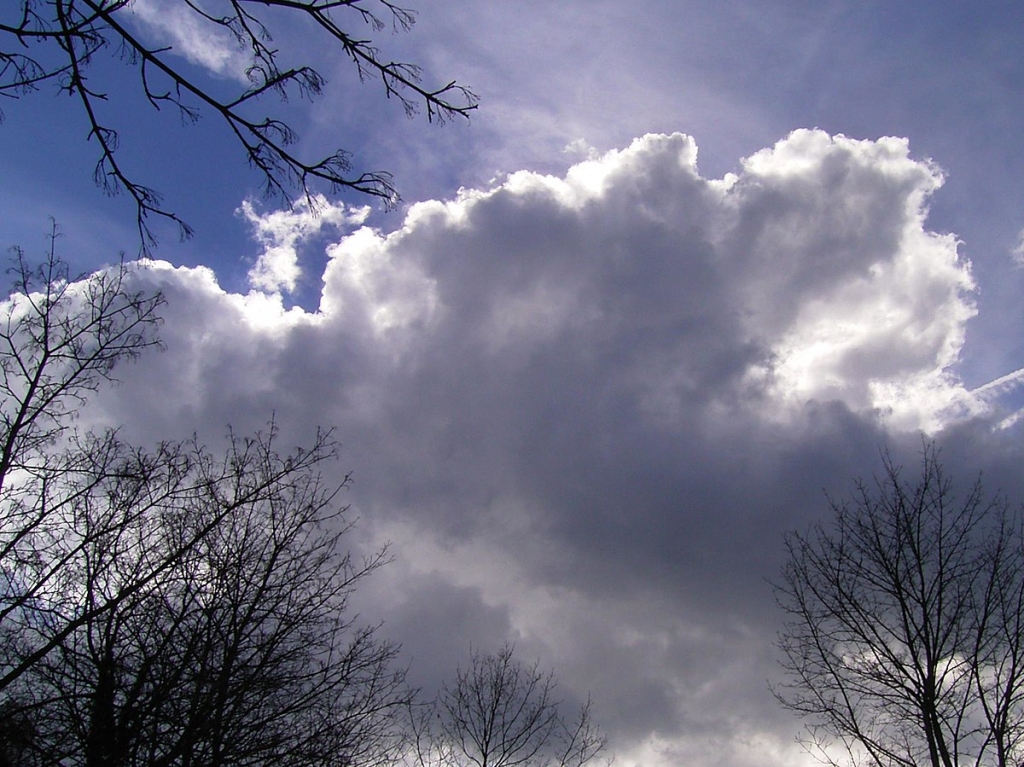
57 44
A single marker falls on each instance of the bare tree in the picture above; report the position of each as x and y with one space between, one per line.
243 652
904 643
167 606
500 713
59 340
58 41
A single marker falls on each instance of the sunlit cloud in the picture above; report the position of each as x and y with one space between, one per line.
583 406
281 232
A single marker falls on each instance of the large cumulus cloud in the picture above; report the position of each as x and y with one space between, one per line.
583 409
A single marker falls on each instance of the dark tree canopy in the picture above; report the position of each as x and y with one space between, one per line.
56 42
904 640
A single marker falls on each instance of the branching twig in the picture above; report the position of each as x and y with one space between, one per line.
58 40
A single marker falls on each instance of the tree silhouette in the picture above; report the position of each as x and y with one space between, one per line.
500 713
242 652
171 605
904 640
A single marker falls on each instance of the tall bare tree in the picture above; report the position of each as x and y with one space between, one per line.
500 713
58 42
904 642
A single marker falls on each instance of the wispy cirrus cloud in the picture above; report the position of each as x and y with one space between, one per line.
194 38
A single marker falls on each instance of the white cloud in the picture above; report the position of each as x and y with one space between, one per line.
280 232
1018 251
585 407
816 267
194 38
861 303
580 148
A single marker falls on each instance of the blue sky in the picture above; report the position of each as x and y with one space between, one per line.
688 266
735 77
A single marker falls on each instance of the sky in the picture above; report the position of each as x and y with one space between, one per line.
689 268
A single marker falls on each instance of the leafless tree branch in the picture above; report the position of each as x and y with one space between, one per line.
57 40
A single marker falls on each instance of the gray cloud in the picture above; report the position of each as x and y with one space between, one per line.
584 409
